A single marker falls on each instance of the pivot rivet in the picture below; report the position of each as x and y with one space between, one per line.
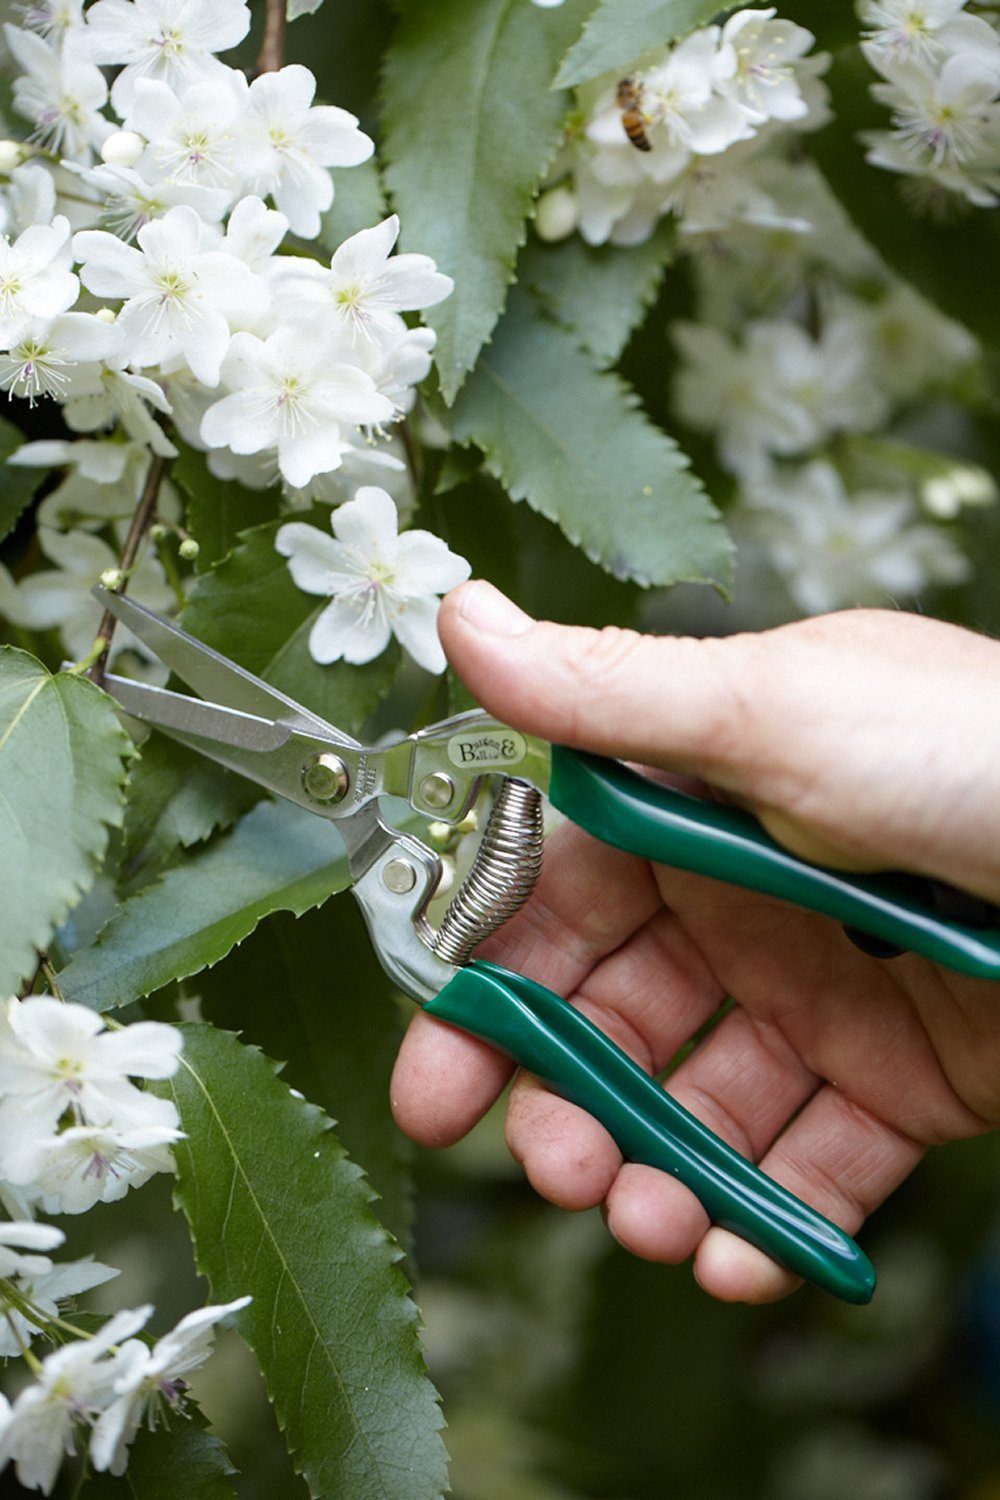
325 778
399 876
437 789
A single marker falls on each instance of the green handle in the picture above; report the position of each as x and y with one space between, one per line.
564 1049
627 810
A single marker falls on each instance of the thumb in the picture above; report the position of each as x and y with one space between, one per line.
720 708
669 701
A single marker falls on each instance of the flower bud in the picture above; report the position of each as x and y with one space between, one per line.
106 314
122 148
11 155
556 216
440 833
189 549
157 531
469 823
447 880
112 579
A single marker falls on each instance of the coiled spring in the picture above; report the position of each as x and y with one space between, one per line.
504 873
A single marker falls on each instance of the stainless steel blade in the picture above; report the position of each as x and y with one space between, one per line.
213 676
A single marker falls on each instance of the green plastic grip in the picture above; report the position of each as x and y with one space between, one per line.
554 1041
643 817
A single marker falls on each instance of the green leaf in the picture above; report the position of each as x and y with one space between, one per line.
176 798
277 1210
17 485
278 858
337 1029
218 509
248 608
599 293
62 753
181 1460
620 31
470 127
358 203
568 439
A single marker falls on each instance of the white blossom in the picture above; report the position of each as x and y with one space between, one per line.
53 19
191 137
151 1383
285 144
925 29
46 1291
764 81
74 1385
88 1164
40 360
126 200
780 393
35 281
946 117
56 1057
367 287
100 395
293 392
835 550
177 293
60 93
381 584
171 40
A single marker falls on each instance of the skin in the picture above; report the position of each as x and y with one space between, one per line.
867 739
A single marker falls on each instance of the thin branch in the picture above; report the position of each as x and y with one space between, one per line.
145 514
272 47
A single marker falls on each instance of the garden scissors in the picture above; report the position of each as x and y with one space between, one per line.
241 722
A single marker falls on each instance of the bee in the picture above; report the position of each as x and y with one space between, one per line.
628 97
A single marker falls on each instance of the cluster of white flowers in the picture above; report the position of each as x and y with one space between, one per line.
688 135
74 1128
143 285
941 68
804 353
74 1131
105 1386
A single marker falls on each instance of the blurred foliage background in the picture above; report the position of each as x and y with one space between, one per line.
570 1370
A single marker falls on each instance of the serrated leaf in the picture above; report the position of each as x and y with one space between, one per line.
569 439
358 203
600 293
218 509
62 765
278 858
337 1029
248 608
277 1210
620 31
470 127
17 486
179 1462
176 798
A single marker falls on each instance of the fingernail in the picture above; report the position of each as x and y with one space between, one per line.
485 608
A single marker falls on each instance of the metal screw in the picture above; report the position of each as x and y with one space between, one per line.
399 876
325 778
437 789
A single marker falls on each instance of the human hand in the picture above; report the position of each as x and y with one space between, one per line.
866 739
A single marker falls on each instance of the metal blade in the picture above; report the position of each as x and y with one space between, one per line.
274 755
213 676
193 717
